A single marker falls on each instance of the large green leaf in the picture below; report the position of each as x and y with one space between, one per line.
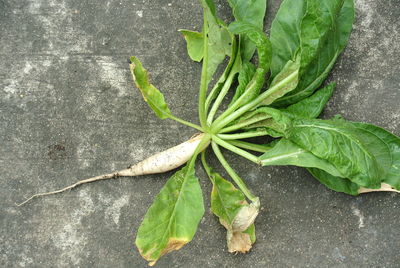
321 44
285 33
339 144
286 152
252 12
342 155
335 183
382 143
151 94
172 220
318 31
388 142
311 107
194 44
372 138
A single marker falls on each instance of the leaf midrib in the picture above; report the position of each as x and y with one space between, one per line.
270 159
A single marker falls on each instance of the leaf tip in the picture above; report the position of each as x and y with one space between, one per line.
154 254
133 59
174 244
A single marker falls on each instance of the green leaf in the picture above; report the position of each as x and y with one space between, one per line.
319 29
388 142
339 144
318 32
286 152
345 22
153 97
289 76
252 232
337 184
194 44
172 220
259 38
253 87
209 4
384 146
249 11
226 199
311 107
285 33
219 39
233 67
266 117
372 138
269 126
252 12
245 75
219 46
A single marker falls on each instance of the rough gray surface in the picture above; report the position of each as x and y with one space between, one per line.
68 110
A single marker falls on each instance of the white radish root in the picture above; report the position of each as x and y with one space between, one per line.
159 163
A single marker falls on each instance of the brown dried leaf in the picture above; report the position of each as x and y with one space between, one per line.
384 188
245 217
238 242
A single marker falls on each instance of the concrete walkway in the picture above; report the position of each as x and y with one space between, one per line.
69 110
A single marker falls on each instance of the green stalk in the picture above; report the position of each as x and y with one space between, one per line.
243 135
221 95
184 122
239 182
249 146
205 165
207 168
226 118
198 149
215 90
204 76
236 150
244 123
230 67
256 83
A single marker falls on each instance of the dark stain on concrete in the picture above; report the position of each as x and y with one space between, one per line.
57 151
